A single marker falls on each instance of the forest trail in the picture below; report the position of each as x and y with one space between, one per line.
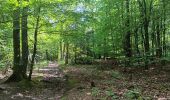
48 84
49 73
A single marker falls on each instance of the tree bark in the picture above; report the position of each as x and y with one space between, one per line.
24 40
67 53
158 49
16 76
35 44
164 28
145 11
127 39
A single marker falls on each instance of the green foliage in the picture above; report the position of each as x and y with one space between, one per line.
95 91
116 74
41 64
6 60
107 94
91 29
111 94
2 64
134 94
84 60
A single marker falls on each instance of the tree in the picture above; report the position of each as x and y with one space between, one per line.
127 39
20 63
35 43
17 70
24 32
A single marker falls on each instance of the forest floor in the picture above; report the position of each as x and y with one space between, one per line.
47 84
115 84
90 82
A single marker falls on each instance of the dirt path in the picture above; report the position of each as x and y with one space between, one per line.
48 84
49 73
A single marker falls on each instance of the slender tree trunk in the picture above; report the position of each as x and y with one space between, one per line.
75 54
61 50
47 55
104 48
158 49
164 27
61 43
142 40
67 53
146 27
136 41
35 44
127 39
153 35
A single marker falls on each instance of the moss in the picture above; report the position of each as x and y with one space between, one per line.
26 84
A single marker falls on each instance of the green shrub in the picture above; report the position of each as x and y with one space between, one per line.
134 94
111 94
116 74
84 60
95 91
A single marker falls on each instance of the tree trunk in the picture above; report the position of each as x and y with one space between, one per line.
145 11
136 41
17 71
35 44
47 55
127 39
164 28
67 53
24 41
61 50
153 36
158 49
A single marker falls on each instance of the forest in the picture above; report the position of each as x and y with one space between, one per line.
84 49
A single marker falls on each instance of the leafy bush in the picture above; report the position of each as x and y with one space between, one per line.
133 95
95 91
6 63
84 60
111 94
2 64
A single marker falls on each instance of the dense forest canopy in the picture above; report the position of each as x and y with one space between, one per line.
123 43
135 32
